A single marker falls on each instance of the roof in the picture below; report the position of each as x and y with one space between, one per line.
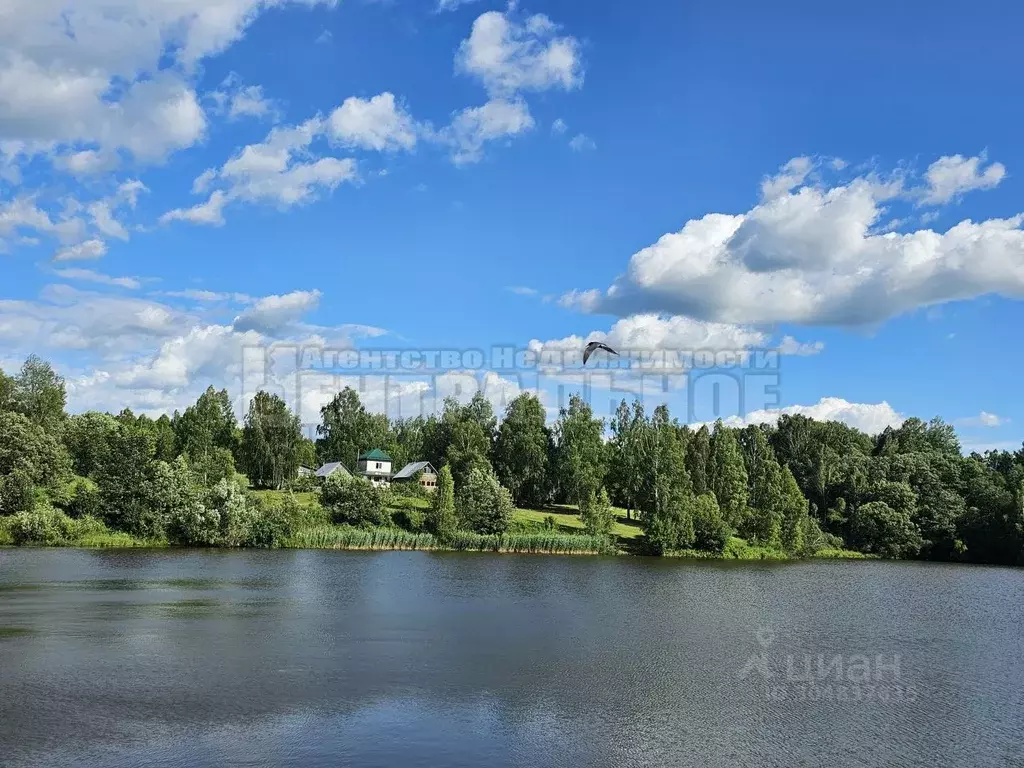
330 468
410 469
375 455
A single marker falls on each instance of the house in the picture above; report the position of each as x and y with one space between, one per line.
375 466
332 468
306 472
424 470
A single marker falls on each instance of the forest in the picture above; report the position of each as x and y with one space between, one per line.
798 488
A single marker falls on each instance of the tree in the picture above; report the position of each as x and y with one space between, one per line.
521 451
30 458
353 501
7 390
271 439
122 476
579 450
877 528
666 493
596 514
87 437
164 439
482 504
763 524
710 531
207 433
627 460
728 476
441 519
795 518
348 429
40 395
698 456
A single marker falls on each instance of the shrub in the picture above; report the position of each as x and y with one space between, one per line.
194 525
85 499
482 504
410 518
269 527
354 501
440 520
596 513
17 493
305 484
43 525
711 532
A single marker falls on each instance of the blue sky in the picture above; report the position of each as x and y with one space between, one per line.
181 182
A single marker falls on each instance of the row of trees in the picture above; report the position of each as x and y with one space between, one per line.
797 486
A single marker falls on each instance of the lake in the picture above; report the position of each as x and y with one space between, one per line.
320 658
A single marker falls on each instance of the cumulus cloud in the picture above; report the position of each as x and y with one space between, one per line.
451 5
581 143
951 176
509 57
809 255
867 417
559 126
983 419
235 100
273 313
472 128
378 123
115 74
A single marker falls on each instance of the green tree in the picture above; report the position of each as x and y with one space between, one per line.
521 451
271 439
482 504
877 528
441 519
627 468
763 523
698 456
122 479
353 501
711 532
207 433
30 458
347 429
728 476
596 514
87 437
579 450
39 394
7 389
795 518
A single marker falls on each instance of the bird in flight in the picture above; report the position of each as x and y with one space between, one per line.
593 347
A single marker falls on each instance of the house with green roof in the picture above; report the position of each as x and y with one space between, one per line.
375 466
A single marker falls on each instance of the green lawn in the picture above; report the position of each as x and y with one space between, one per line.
567 519
304 498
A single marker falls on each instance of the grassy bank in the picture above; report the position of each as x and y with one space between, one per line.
345 537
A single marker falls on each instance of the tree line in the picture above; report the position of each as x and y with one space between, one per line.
799 486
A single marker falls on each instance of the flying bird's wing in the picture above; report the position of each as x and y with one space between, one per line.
595 345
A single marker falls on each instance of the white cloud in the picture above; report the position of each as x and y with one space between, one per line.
809 255
86 162
790 346
509 57
983 419
951 176
559 126
582 143
273 313
211 212
791 175
115 74
89 276
522 290
451 5
87 249
210 296
472 128
867 417
378 123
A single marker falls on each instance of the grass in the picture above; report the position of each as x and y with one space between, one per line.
346 537
305 499
842 554
567 520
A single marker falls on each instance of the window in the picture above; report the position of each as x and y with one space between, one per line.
378 465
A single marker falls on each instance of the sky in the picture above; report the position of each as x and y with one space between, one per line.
766 208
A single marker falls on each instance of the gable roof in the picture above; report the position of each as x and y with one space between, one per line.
375 455
330 468
412 468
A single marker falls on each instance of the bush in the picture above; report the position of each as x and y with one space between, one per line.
306 484
354 501
17 493
43 525
482 504
85 499
194 525
410 518
596 513
270 527
710 530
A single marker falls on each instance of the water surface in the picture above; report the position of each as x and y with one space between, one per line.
313 658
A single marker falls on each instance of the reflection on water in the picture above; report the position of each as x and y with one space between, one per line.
402 659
